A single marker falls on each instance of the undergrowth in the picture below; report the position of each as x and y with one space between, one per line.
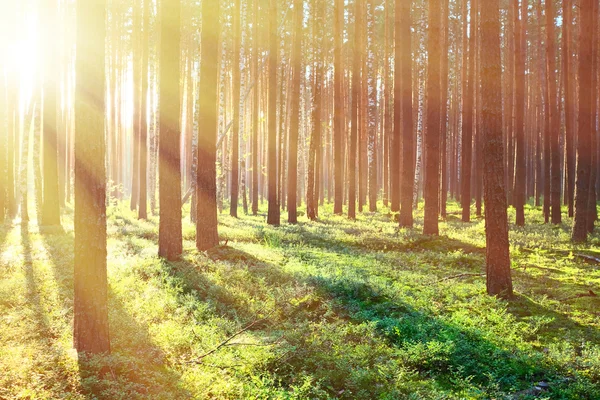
327 309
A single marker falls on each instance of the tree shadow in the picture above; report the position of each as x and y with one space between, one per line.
136 366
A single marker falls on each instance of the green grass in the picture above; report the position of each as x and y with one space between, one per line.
341 309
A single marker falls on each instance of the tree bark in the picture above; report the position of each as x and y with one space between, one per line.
338 108
584 136
90 302
432 136
520 41
499 282
207 235
403 105
273 217
467 131
169 154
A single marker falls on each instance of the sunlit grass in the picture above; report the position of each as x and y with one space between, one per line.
343 309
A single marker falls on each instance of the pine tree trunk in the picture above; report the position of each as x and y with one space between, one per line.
431 188
90 308
584 136
499 282
444 110
207 235
169 143
520 41
403 106
255 107
570 103
467 131
553 116
137 101
296 71
235 130
273 216
338 108
143 166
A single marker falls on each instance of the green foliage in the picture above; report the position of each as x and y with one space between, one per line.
332 309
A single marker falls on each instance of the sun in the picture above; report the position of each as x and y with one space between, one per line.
22 55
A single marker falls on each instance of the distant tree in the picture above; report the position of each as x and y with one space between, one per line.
520 49
295 113
444 109
570 103
255 105
137 51
273 217
169 232
401 16
553 115
235 130
586 113
90 307
405 94
51 206
432 137
338 106
143 170
312 190
354 109
207 235
467 117
499 282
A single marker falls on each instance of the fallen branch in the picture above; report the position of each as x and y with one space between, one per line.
198 360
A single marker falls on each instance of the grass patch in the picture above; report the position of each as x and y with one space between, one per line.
341 309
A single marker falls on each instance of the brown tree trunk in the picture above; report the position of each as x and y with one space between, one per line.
338 109
431 188
499 282
90 302
570 103
520 41
255 107
584 136
169 154
553 116
137 101
467 131
273 217
143 189
354 113
51 206
403 106
312 190
292 186
235 130
444 111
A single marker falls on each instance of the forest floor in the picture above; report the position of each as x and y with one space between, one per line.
331 309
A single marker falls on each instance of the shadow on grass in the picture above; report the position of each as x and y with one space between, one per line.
418 341
136 366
